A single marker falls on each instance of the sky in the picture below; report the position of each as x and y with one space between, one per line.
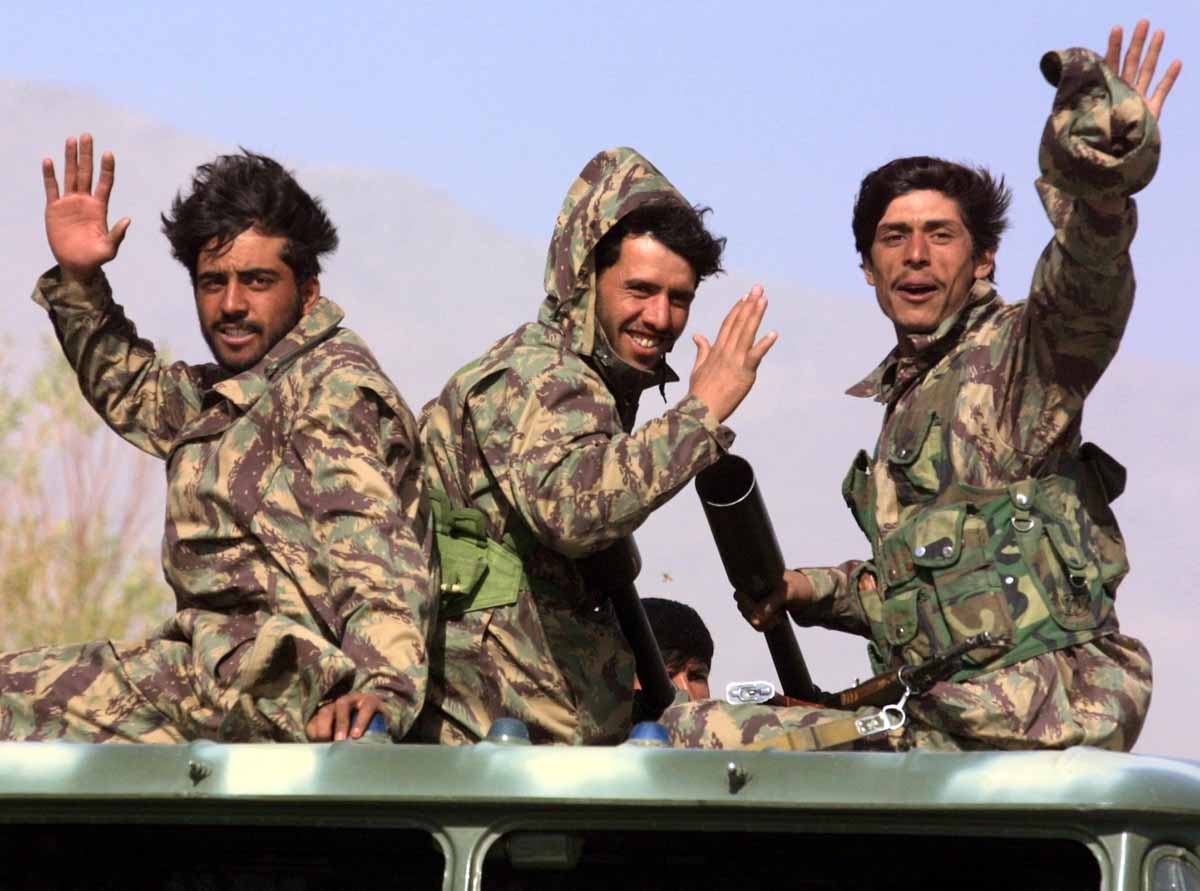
770 114
447 133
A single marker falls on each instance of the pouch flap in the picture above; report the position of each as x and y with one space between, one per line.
860 468
907 439
1070 552
895 561
476 577
936 536
900 617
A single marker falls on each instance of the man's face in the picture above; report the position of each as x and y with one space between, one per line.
247 298
693 678
922 262
643 300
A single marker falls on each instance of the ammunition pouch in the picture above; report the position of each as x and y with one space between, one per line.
1028 564
477 572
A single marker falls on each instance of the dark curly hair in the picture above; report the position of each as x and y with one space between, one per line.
677 226
680 632
982 198
238 192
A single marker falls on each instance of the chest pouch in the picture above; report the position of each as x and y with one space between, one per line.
916 457
947 591
477 572
856 492
1055 564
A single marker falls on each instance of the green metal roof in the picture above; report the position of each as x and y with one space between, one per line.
1075 779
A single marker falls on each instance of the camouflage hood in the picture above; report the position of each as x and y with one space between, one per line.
613 184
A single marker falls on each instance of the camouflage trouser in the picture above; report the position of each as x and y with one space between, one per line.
240 678
86 693
1095 694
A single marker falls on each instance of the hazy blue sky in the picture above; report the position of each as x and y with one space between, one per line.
771 112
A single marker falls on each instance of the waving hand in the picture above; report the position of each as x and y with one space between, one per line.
1139 72
77 218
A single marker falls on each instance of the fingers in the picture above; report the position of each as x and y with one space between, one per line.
367 707
1134 54
730 322
1146 71
1139 72
347 717
762 614
1112 55
1156 101
49 180
85 163
108 169
760 349
741 324
751 321
70 165
320 726
117 233
341 723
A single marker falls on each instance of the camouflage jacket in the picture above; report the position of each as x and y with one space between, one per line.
536 434
295 537
983 509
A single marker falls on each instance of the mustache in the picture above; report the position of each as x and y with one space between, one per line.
227 324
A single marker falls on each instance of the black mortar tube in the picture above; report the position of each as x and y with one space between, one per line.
612 572
753 562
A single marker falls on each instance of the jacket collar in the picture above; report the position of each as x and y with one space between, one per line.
247 387
917 353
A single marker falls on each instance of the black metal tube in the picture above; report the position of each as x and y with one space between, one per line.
750 552
612 572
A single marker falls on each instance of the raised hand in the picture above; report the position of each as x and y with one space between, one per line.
725 370
1137 71
77 219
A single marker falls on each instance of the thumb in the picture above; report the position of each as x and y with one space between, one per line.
702 349
117 233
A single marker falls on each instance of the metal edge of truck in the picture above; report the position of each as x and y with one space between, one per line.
1127 809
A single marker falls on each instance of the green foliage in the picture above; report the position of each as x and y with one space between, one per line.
77 561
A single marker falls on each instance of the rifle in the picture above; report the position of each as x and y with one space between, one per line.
612 572
892 686
750 553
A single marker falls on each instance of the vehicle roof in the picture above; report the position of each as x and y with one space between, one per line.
489 774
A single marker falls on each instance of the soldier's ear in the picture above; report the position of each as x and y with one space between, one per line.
985 264
310 292
868 271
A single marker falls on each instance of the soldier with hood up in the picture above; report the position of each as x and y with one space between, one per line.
534 464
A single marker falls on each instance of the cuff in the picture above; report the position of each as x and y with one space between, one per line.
1101 141
824 582
61 298
695 408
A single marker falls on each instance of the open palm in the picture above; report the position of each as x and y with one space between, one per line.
1138 71
77 219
